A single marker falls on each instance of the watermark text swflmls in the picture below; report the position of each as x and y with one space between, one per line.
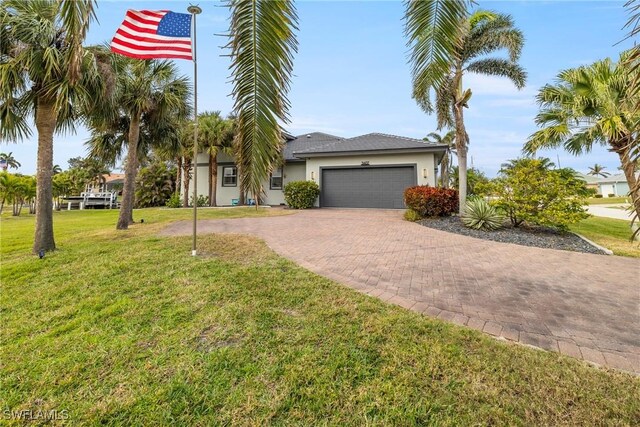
35 414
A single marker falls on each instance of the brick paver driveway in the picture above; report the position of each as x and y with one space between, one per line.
585 306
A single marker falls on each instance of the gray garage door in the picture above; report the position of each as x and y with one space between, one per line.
366 187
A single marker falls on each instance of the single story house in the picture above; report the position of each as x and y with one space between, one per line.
367 171
614 184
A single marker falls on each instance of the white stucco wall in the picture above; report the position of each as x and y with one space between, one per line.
422 161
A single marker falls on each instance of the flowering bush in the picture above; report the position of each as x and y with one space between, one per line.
431 201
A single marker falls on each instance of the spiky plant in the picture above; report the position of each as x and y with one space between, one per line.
480 215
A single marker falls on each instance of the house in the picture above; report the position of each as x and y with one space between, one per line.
367 171
592 181
108 183
614 184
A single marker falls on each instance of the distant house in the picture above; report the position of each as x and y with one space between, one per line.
614 184
592 181
367 171
611 186
109 183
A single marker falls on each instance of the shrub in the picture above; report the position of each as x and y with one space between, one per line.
202 201
531 191
411 215
480 215
154 185
598 196
301 194
431 201
174 201
611 195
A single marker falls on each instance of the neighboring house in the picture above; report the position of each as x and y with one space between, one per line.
109 183
592 181
615 184
368 171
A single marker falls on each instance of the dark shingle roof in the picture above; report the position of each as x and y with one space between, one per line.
368 142
306 142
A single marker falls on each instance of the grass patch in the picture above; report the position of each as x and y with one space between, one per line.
126 328
611 233
607 200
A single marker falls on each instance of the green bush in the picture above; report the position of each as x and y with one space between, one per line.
202 201
155 184
598 196
411 215
174 201
611 195
533 191
480 215
301 194
431 201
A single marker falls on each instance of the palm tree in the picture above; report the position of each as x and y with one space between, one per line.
262 43
216 136
150 97
46 74
9 161
446 163
477 36
598 170
56 169
591 105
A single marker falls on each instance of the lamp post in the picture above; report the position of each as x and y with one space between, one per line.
195 10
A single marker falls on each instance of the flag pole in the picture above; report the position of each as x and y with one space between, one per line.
195 10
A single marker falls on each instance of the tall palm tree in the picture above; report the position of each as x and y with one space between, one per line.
56 169
446 163
262 43
216 136
590 105
478 35
9 161
598 170
46 74
150 97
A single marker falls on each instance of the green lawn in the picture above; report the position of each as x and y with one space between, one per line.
611 233
607 200
126 328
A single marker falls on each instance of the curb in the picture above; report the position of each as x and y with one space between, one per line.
602 248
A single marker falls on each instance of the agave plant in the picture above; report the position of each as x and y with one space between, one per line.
480 215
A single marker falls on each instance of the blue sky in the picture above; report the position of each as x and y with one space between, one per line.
351 74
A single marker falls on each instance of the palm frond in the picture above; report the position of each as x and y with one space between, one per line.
433 30
262 43
501 68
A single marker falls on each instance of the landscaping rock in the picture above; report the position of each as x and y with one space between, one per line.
540 237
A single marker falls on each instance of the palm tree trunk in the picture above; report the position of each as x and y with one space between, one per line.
212 201
213 179
178 175
186 177
125 216
45 124
462 139
629 169
444 166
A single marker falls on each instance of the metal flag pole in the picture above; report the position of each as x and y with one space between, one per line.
195 10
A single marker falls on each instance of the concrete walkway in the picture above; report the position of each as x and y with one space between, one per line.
608 211
582 305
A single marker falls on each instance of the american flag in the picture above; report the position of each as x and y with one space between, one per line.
148 34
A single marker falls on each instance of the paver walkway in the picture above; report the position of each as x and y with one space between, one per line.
585 306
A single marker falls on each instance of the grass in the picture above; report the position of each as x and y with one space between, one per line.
126 328
611 233
607 200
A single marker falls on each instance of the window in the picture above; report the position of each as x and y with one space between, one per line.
275 182
229 176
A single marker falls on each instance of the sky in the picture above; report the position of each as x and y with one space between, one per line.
351 73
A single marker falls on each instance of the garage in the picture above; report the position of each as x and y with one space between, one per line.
366 186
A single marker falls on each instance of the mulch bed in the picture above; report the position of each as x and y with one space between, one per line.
539 237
